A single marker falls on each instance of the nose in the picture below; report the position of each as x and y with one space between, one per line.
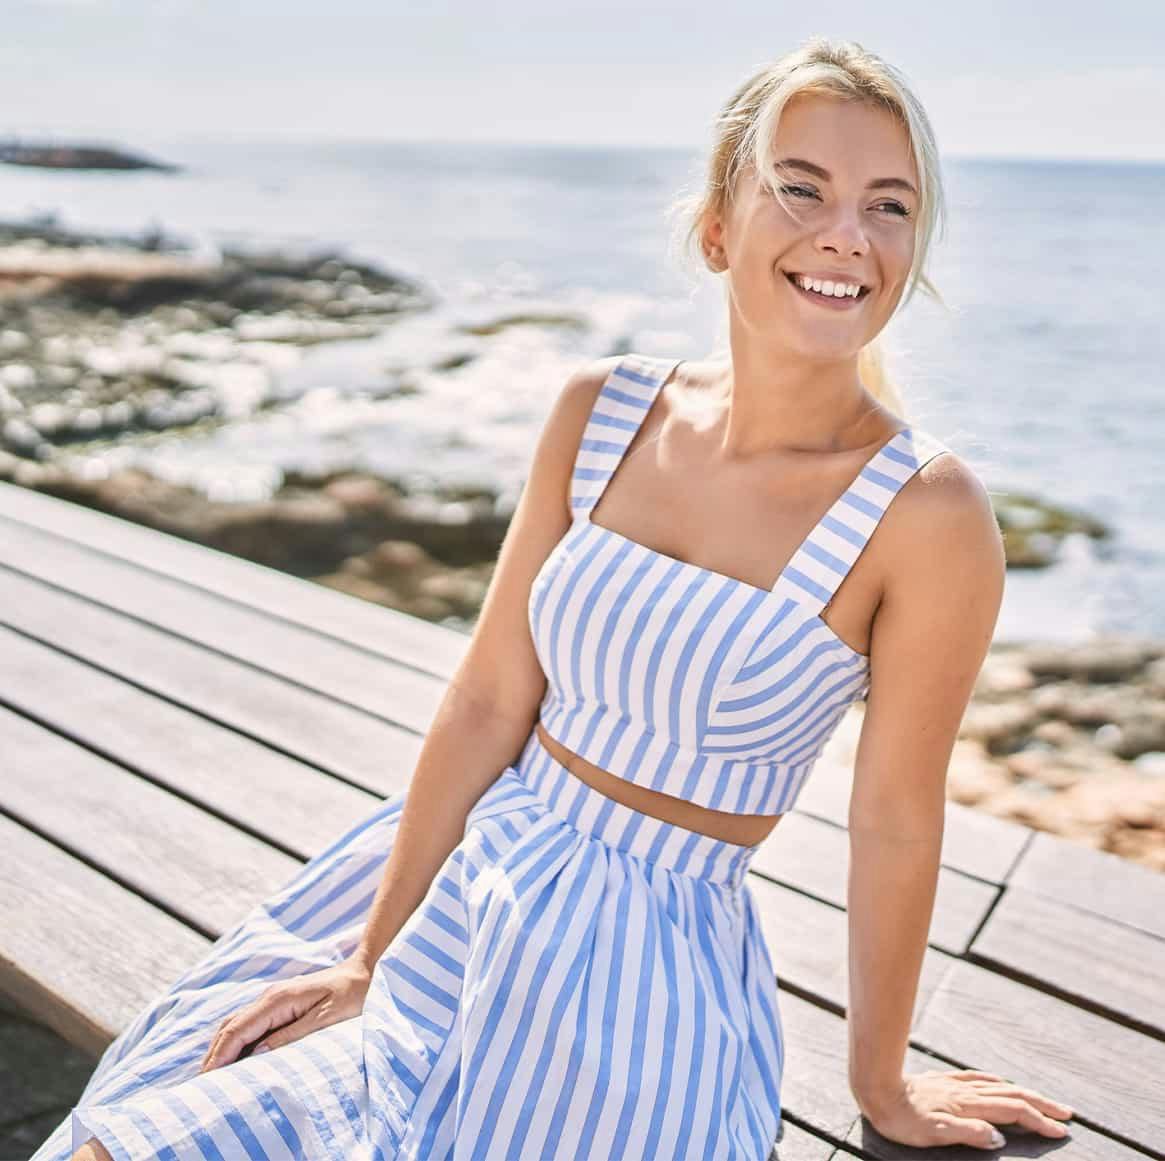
843 234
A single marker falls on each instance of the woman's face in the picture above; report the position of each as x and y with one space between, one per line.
855 217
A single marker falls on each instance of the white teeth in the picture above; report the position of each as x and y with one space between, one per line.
826 287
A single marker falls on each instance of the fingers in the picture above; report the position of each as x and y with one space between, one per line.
1043 1103
1014 1111
296 1030
979 1134
271 1010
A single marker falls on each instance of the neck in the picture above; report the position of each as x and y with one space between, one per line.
780 402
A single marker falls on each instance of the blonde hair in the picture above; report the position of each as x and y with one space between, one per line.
745 131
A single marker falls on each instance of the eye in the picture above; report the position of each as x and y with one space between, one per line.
799 189
897 208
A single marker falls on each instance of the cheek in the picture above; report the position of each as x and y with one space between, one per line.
901 248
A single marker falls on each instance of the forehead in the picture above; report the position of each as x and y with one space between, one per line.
847 137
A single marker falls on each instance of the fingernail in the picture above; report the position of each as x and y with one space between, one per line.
997 1140
261 1048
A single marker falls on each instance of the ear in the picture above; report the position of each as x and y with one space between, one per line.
712 243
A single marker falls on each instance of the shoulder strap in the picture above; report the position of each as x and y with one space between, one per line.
826 555
620 406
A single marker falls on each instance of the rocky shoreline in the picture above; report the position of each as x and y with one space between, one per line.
103 338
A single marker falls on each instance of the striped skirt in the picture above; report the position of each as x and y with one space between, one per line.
580 981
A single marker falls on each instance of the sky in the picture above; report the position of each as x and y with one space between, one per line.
1041 79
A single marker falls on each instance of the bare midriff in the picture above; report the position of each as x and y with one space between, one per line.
743 829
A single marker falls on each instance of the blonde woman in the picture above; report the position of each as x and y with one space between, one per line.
549 948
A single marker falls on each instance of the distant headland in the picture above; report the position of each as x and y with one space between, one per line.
76 155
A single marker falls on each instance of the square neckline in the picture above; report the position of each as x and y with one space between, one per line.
766 593
588 518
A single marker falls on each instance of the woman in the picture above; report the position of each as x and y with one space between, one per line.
565 959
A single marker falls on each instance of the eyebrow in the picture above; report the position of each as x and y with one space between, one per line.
824 174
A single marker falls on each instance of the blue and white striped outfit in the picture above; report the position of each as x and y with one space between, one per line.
581 980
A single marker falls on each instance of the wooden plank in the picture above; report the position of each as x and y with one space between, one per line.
77 950
1090 960
347 742
197 867
1091 880
345 672
797 1144
970 1015
410 640
282 801
812 856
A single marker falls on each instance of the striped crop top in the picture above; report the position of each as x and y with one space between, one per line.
679 678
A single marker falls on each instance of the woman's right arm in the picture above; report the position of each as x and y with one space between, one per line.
482 723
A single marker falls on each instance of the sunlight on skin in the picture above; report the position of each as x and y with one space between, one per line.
92 1150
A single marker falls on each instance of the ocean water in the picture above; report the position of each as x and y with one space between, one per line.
1044 370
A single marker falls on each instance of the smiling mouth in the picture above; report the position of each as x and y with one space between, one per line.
843 297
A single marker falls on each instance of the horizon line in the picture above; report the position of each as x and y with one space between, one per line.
104 139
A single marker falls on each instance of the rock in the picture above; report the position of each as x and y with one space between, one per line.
20 436
1101 661
972 777
1058 734
13 342
359 492
1034 529
1154 677
546 318
1074 702
999 727
1140 733
52 155
1151 762
1055 765
399 559
1003 675
17 376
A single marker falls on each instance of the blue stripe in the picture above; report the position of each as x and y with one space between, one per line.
628 425
840 528
900 457
625 372
618 396
880 478
602 445
807 583
826 558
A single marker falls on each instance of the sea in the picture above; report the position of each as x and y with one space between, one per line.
1044 367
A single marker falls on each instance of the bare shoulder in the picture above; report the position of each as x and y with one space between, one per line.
943 544
572 408
581 389
945 510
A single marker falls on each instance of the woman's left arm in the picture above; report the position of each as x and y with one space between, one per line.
929 639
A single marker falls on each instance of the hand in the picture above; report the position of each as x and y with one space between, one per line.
962 1108
289 1010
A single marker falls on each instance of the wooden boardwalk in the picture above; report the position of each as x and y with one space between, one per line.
179 729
